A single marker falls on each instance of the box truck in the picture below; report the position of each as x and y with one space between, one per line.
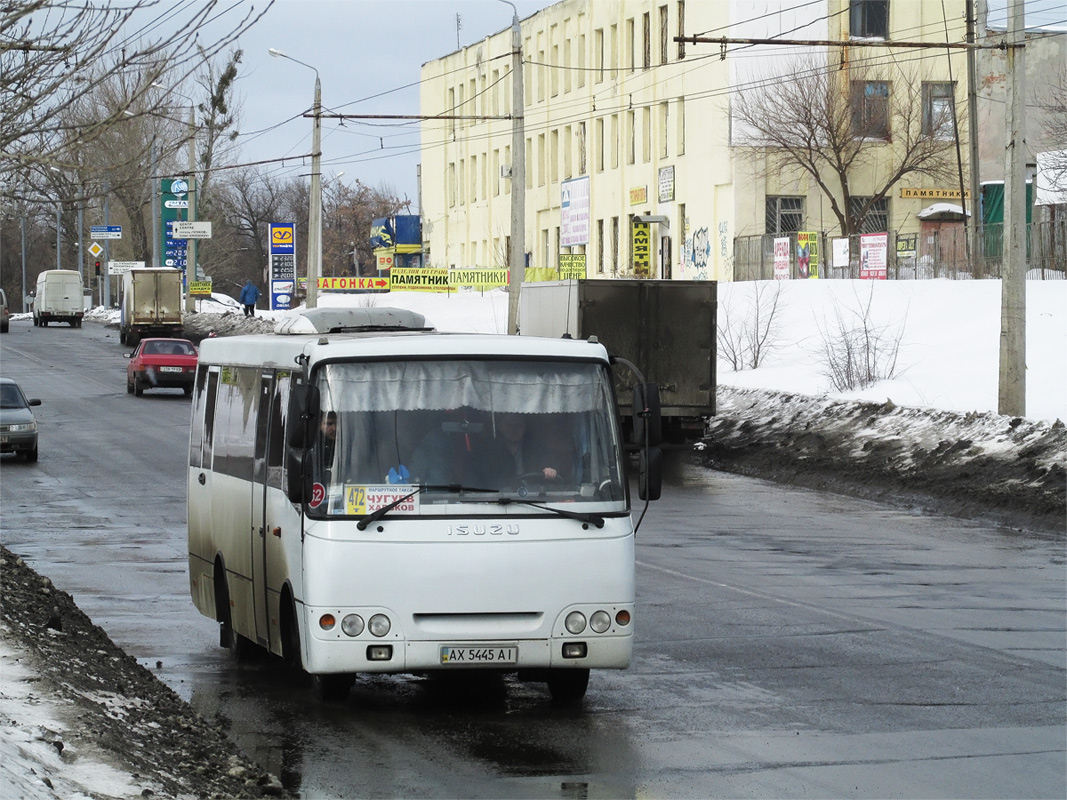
666 328
59 298
151 304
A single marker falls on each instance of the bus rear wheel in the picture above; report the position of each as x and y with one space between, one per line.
568 685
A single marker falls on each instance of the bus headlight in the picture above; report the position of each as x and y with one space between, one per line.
352 624
575 622
379 625
600 621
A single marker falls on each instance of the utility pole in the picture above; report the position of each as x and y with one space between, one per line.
517 252
1011 398
974 224
190 244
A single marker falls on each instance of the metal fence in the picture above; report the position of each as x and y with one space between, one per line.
938 253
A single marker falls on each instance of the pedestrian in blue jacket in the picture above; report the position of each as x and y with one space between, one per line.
249 296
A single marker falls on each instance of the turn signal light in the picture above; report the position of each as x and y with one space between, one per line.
327 621
623 617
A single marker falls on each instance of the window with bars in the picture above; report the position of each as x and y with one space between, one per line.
939 110
870 109
868 19
784 214
877 219
664 34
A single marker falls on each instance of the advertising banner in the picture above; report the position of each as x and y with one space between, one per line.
574 212
174 195
840 253
642 249
571 266
282 265
480 279
420 280
807 254
781 259
873 247
349 283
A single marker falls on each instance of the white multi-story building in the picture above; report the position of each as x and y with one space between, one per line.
623 122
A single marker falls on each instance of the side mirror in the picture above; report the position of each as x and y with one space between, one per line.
303 415
648 421
294 475
650 475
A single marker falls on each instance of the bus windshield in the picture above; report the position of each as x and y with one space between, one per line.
465 431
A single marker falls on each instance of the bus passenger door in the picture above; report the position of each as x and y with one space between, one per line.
260 535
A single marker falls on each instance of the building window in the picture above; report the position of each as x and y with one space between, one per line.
614 245
600 246
870 109
614 51
598 54
631 137
553 157
614 141
681 28
567 65
452 184
599 144
542 160
939 117
581 61
680 125
646 49
646 134
664 148
784 214
664 34
631 45
582 160
877 219
868 19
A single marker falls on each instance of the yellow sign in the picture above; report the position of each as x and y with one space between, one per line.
347 283
932 194
95 249
282 235
807 254
638 195
571 266
642 249
200 287
478 278
419 279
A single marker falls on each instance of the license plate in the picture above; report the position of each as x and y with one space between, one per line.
462 655
3 440
170 369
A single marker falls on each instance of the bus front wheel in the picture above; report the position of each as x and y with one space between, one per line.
332 688
568 685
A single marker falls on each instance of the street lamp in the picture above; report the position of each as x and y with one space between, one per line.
314 263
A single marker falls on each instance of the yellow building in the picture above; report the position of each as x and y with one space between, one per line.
623 123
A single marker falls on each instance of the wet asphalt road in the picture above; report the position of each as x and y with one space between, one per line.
789 643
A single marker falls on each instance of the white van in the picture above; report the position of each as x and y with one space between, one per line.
366 495
59 298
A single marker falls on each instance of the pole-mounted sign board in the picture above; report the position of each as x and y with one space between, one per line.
105 231
182 229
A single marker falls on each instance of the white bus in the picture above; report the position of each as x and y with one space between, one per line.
366 495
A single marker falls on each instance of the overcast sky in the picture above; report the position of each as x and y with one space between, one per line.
366 52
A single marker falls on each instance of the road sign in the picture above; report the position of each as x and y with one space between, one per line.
105 231
200 287
191 230
119 267
95 249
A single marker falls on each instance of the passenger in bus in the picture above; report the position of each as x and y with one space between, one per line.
326 446
444 455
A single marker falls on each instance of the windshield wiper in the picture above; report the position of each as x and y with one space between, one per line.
456 488
595 519
374 516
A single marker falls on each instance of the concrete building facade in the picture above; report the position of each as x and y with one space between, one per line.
622 121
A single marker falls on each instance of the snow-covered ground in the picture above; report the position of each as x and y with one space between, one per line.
948 334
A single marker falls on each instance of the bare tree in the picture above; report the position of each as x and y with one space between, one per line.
835 123
53 53
746 338
1054 107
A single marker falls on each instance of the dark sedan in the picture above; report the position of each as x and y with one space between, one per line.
161 364
18 428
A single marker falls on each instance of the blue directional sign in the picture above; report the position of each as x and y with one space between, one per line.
105 231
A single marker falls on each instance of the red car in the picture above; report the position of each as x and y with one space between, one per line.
161 364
